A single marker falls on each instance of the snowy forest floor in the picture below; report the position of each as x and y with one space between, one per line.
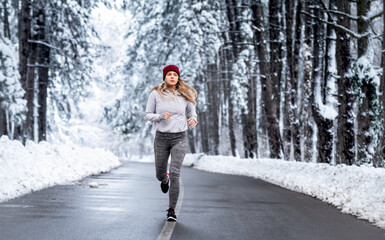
24 169
359 191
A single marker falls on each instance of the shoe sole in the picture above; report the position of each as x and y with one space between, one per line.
164 191
171 219
168 186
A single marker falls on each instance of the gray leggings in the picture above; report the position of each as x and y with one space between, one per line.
176 144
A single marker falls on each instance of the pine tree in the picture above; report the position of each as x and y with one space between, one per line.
305 116
380 160
275 142
345 149
275 45
323 122
290 120
55 61
24 52
365 80
12 105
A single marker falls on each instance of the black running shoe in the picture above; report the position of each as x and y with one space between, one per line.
165 186
171 215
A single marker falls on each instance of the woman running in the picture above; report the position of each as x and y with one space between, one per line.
171 106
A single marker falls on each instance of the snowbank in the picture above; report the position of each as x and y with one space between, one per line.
355 190
36 166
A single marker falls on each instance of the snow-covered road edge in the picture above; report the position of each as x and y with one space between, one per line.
36 166
359 191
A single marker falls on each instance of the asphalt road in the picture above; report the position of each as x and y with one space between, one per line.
130 205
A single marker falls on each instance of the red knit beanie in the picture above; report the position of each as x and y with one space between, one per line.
170 68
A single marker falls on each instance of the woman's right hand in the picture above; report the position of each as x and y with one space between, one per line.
167 115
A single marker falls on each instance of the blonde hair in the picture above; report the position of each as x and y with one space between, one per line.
189 93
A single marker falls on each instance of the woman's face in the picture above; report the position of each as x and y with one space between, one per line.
171 78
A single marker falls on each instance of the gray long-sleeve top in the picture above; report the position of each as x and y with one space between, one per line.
178 106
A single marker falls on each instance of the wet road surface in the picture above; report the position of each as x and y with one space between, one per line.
129 205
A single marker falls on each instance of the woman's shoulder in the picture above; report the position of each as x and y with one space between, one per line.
154 90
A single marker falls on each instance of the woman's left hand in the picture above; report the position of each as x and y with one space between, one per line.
191 122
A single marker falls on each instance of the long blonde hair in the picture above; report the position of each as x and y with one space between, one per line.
185 90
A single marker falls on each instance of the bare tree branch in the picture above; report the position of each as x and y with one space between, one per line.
379 14
325 8
339 27
44 43
354 18
344 14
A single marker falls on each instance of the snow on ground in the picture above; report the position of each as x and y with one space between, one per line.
355 190
36 166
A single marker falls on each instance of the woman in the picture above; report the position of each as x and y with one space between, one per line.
167 106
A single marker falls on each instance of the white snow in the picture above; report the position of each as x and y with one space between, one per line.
359 191
36 166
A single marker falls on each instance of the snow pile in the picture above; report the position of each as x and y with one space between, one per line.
355 190
35 166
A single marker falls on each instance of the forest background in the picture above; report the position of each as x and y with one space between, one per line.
292 79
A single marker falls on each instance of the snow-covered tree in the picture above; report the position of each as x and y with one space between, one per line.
275 143
162 33
55 59
12 104
320 90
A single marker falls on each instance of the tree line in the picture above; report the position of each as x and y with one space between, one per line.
292 79
44 56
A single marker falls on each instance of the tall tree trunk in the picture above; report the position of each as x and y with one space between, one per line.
248 112
6 28
31 80
24 51
202 118
324 125
345 149
368 89
267 85
297 27
231 113
29 129
249 120
213 107
43 60
7 34
248 130
32 85
295 102
220 95
290 91
275 27
363 8
227 78
204 132
3 122
252 137
305 116
330 43
234 38
382 87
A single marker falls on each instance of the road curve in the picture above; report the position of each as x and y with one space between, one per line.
129 205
